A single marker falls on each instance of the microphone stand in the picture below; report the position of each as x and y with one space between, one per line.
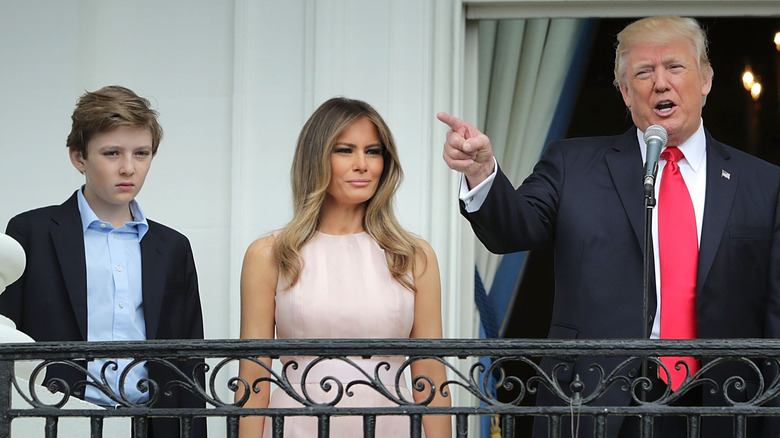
655 138
647 271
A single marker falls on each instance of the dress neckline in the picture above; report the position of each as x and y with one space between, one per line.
362 233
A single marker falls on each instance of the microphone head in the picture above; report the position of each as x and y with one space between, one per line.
657 133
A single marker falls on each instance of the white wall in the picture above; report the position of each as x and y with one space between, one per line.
52 51
234 82
378 51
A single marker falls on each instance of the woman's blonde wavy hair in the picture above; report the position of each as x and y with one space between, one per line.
311 174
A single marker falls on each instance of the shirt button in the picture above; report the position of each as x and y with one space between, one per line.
102 225
122 305
119 268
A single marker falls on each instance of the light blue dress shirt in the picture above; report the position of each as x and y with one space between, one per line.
114 295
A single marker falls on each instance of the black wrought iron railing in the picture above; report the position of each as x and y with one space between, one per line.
740 377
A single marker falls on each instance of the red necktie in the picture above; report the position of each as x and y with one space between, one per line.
678 245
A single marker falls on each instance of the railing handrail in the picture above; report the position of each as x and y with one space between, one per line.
455 348
577 378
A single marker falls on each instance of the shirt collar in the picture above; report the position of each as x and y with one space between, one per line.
694 149
89 217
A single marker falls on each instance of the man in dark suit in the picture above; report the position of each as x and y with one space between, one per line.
585 197
98 270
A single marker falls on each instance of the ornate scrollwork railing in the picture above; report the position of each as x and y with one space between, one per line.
576 376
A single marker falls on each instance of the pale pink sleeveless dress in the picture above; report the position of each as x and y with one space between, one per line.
345 291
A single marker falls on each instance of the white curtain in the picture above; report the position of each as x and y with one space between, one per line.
523 65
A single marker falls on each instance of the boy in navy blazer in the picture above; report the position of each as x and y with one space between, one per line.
99 270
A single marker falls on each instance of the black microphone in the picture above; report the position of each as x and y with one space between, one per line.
655 138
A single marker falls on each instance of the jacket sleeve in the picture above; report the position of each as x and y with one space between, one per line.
516 220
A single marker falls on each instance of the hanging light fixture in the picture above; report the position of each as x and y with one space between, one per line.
755 90
747 79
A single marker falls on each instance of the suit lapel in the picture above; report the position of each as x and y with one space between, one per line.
718 200
68 240
153 262
625 165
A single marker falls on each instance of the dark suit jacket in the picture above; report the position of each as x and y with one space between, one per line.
585 198
49 301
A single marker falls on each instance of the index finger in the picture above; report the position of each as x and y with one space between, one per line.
453 122
458 125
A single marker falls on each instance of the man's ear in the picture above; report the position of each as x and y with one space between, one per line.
624 93
77 159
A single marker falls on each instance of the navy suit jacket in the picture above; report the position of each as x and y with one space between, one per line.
585 197
49 301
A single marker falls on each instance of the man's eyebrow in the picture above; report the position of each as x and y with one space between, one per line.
641 64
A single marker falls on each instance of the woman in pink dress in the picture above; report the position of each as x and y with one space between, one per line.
342 268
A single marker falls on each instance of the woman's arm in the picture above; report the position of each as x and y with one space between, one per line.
259 275
427 324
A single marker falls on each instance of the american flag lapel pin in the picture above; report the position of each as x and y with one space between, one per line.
725 174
